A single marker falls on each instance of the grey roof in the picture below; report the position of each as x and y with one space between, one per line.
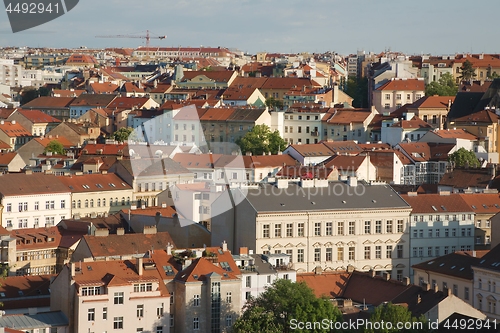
337 196
490 260
246 115
144 167
39 320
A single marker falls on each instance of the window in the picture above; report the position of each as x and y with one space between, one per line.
289 230
317 255
329 228
329 256
229 321
104 313
248 295
421 233
466 293
340 228
9 207
196 323
140 310
196 300
340 254
63 204
228 297
37 205
118 323
79 203
400 225
300 229
159 310
378 227
388 251
290 254
437 233
317 229
368 227
118 298
388 226
91 314
171 323
378 252
420 251
300 255
387 106
387 96
398 96
399 275
277 230
446 232
399 250
367 252
172 298
248 282
265 231
429 251
351 253
352 227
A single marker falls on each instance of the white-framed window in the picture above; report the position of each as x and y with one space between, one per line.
196 300
196 323
91 314
118 323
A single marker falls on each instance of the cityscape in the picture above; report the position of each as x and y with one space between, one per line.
174 189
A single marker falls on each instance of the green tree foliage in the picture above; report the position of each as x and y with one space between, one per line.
272 103
54 147
284 301
29 94
261 140
464 158
394 314
357 88
123 134
446 86
467 72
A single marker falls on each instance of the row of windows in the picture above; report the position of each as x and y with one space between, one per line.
36 255
454 217
299 140
23 223
491 286
398 96
36 270
301 117
328 228
419 233
90 203
436 250
24 206
299 130
145 187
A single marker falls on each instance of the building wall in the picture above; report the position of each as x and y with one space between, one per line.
84 204
301 127
487 292
30 215
464 288
389 101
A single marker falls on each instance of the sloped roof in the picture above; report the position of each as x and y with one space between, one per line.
197 161
95 182
482 203
76 59
265 161
288 83
127 244
345 163
483 116
490 260
403 85
433 102
313 149
217 114
35 291
414 122
48 102
304 172
346 116
153 167
217 76
104 88
437 203
248 82
37 116
6 158
32 239
203 267
465 178
427 151
457 264
14 129
326 284
26 184
44 141
102 100
455 133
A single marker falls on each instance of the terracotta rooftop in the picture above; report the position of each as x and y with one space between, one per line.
104 88
345 163
305 172
94 100
455 133
37 116
314 149
346 117
76 59
203 267
403 85
217 76
67 93
44 141
95 182
19 292
483 203
484 116
423 151
217 114
413 123
45 238
248 82
465 178
197 161
168 211
14 129
437 203
266 161
288 83
26 184
433 102
6 158
329 284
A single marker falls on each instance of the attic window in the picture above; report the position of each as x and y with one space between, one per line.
220 251
443 207
225 275
435 209
452 267
474 207
89 268
441 265
497 206
98 185
225 266
430 262
86 186
123 184
112 185
168 270
2 294
20 292
484 206
461 269
195 277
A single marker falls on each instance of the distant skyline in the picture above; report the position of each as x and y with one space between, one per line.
436 27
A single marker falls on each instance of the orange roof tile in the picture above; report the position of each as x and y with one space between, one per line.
6 158
37 116
329 284
483 203
14 129
104 88
455 133
433 102
414 122
425 203
403 85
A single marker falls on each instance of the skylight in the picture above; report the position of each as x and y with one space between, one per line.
435 209
168 270
443 207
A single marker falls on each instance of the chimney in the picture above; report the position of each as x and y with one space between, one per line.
169 249
243 251
13 122
419 299
447 291
120 231
72 266
139 266
426 286
386 276
435 287
224 246
372 273
149 230
352 181
186 263
406 281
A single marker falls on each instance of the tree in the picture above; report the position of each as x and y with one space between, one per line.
467 72
44 91
283 304
54 147
29 94
464 158
272 102
445 86
394 314
261 140
123 134
357 88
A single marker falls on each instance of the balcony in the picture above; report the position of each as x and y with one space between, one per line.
315 133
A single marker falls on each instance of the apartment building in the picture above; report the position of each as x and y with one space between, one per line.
33 200
485 207
320 224
486 281
97 193
14 134
125 295
303 125
397 92
440 224
34 121
432 109
347 124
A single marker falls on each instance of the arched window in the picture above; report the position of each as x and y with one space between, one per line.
128 201
104 202
86 203
79 205
98 202
91 203
73 204
123 201
116 201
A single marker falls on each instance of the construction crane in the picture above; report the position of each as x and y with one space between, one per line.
147 37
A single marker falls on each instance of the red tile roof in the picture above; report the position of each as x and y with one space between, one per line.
26 184
203 267
95 182
217 114
424 151
345 163
45 238
484 116
266 161
335 116
465 178
44 141
168 211
433 102
329 284
77 59
128 102
288 83
314 149
455 133
104 88
67 93
6 158
49 102
403 85
197 161
37 116
217 76
425 203
414 122
483 203
14 129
